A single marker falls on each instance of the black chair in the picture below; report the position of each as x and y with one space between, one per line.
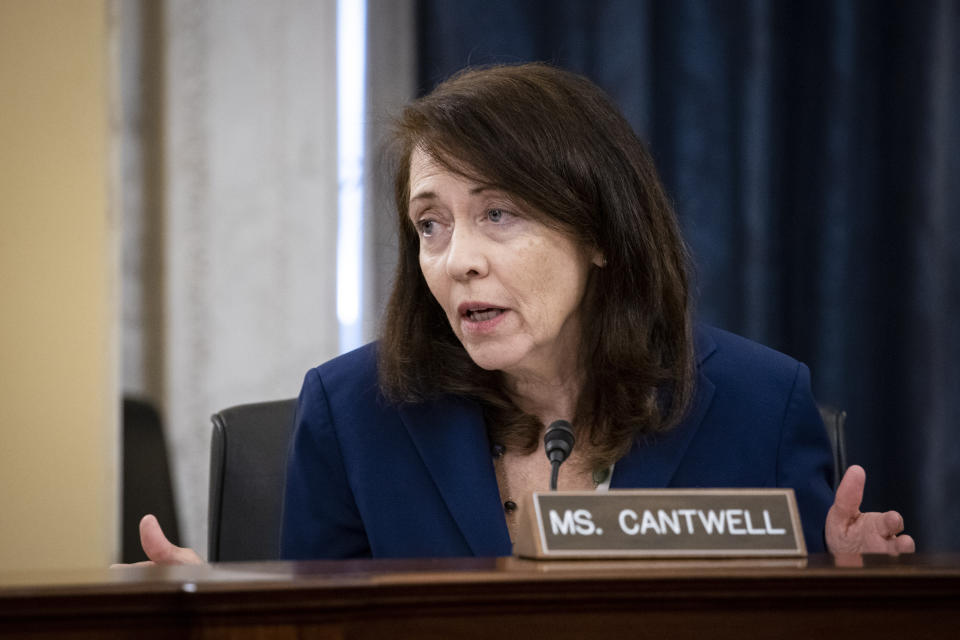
248 454
247 458
835 420
146 477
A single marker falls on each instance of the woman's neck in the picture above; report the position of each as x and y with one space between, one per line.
549 398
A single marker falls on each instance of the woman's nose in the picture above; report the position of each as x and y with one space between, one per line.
466 257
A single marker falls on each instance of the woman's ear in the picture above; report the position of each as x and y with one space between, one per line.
598 259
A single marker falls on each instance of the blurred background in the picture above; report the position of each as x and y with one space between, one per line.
193 214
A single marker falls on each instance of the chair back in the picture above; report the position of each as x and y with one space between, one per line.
835 421
147 485
248 454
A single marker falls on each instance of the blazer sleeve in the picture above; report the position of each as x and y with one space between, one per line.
804 460
320 515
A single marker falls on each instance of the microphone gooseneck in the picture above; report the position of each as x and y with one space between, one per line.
558 442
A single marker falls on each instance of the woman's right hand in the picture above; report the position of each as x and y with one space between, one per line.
160 550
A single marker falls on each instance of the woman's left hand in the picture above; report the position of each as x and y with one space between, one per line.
850 531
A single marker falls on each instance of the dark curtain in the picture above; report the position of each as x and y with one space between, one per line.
813 153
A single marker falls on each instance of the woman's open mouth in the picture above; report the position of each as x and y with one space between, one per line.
480 315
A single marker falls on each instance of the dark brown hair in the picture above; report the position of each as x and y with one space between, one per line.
555 142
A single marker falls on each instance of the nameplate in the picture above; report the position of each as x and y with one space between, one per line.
679 523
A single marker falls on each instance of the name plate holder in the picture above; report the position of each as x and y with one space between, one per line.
660 523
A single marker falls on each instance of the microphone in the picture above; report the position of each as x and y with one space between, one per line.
558 442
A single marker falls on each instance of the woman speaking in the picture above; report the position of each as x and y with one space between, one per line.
541 276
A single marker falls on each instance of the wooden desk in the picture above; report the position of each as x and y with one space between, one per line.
905 597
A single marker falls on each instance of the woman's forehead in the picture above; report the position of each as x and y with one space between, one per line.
426 167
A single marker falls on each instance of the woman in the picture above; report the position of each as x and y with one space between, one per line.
541 276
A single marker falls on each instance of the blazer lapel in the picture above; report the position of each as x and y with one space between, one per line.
451 437
653 459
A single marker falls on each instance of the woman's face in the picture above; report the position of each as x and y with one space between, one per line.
510 286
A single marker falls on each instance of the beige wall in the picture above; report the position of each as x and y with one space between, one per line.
58 399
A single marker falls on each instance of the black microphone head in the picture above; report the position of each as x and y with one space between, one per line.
558 440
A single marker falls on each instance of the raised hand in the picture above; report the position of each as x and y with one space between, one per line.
850 531
160 550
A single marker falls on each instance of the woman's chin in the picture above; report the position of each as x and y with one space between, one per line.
494 357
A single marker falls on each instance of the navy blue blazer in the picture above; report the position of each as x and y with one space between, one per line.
367 478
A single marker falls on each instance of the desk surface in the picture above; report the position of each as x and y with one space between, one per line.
869 596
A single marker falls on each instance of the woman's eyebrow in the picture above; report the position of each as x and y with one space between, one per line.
430 195
423 195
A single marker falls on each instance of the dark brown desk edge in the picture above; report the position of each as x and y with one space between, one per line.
361 598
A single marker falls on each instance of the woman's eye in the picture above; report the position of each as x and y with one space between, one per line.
426 227
496 215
